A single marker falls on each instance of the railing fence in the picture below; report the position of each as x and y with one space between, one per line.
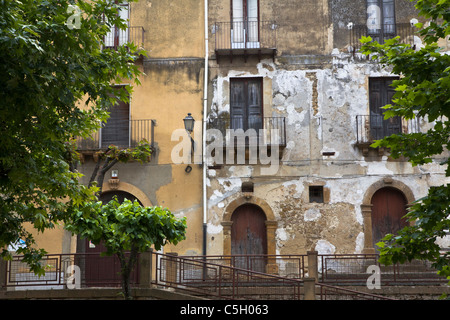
123 134
287 277
382 32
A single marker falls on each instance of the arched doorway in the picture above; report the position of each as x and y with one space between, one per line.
388 211
105 197
99 270
249 237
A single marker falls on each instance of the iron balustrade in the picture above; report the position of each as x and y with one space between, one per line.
270 131
352 269
218 277
329 292
382 32
245 34
96 271
219 281
290 266
123 134
118 37
374 127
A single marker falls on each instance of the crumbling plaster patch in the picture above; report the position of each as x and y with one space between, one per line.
328 99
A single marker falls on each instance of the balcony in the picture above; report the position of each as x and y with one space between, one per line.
380 33
244 145
123 134
245 38
374 127
117 37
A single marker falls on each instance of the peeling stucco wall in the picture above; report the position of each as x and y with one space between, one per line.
320 106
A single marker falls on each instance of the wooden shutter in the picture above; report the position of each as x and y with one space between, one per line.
246 103
124 13
238 21
116 130
380 94
252 17
245 20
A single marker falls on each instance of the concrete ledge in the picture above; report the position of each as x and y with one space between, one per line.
95 294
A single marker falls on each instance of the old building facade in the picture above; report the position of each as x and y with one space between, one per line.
290 70
295 67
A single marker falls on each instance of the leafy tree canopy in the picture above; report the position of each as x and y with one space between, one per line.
56 85
421 91
127 229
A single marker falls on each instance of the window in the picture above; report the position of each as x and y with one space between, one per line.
246 103
316 194
117 37
380 94
116 130
381 19
247 186
245 29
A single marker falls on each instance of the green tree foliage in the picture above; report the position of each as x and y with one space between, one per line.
422 91
55 85
112 155
127 229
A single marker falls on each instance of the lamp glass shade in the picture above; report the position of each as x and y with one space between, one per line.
189 123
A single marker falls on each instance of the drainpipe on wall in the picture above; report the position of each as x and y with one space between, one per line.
205 105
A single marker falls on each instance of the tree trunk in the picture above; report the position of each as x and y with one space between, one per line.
99 172
127 266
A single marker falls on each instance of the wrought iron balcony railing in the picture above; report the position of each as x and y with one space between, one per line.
245 38
123 134
267 130
374 127
117 37
382 32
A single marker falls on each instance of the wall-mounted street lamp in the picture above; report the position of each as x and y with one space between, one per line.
189 126
189 123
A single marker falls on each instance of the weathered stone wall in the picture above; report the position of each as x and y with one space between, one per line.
320 89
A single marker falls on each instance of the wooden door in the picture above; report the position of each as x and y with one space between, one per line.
246 104
381 93
249 237
245 27
104 270
388 211
117 37
381 19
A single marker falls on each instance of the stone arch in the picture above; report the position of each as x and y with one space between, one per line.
111 186
233 205
366 206
388 182
129 188
271 223
271 226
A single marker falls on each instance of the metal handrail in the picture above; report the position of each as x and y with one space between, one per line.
266 124
129 134
245 34
374 127
118 37
382 32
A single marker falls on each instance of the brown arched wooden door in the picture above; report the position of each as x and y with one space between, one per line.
249 237
388 211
